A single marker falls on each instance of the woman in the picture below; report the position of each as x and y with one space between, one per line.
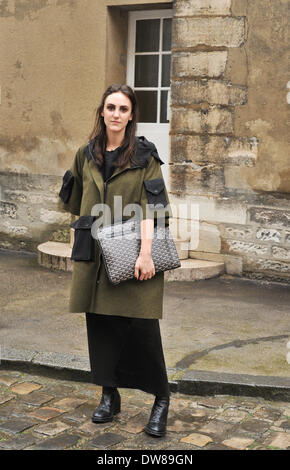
116 168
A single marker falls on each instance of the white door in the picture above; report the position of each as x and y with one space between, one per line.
148 73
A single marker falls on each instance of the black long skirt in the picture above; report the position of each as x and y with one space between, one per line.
127 353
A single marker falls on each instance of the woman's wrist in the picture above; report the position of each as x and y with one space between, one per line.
145 253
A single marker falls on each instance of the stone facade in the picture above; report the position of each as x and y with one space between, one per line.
216 149
229 105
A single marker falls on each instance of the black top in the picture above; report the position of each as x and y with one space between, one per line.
108 167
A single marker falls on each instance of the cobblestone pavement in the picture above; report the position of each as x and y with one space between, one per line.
38 412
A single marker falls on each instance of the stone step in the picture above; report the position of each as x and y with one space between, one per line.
194 270
56 255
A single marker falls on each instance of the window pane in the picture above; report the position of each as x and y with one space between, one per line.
146 70
166 42
164 108
166 70
147 101
147 35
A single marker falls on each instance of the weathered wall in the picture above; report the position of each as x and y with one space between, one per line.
229 138
229 131
57 56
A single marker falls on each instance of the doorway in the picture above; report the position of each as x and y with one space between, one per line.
148 73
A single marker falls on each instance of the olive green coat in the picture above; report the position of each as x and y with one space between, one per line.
83 187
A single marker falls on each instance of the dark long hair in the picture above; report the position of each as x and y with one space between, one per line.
99 135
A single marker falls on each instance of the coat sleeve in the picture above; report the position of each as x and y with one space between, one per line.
72 186
154 197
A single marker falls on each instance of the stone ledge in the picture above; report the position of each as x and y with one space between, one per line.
195 269
189 382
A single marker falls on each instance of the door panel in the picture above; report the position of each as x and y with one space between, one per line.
148 73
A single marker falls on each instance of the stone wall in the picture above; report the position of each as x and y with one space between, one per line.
229 136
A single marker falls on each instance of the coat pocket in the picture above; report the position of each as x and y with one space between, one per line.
67 186
155 191
84 247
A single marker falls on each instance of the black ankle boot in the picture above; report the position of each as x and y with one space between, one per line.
158 418
109 406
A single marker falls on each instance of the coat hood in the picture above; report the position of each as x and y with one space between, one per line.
144 150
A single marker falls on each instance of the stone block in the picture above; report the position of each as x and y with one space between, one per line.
233 264
182 248
268 235
198 64
8 209
211 208
214 120
199 440
15 425
14 230
241 443
244 248
54 217
106 440
202 7
218 31
61 442
267 265
216 149
209 239
214 92
193 270
15 196
46 413
270 217
197 179
280 440
280 253
238 232
25 387
51 429
287 237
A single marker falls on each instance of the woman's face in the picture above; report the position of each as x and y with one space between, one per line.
117 112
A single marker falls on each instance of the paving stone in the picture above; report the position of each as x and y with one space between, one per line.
6 398
255 425
7 380
233 415
15 425
59 389
106 440
19 442
136 424
285 424
64 441
51 429
46 413
69 403
272 414
80 414
281 440
215 427
177 425
199 440
25 387
92 428
241 443
36 398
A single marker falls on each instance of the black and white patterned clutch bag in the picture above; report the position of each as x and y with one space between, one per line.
120 245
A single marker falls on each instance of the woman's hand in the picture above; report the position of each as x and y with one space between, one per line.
145 265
